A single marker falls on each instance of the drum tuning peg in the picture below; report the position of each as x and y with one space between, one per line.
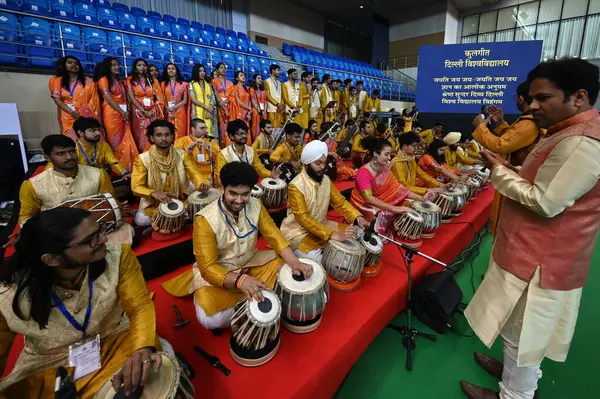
180 321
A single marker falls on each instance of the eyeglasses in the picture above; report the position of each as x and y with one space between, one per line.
93 239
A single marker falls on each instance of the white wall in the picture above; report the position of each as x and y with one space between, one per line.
452 23
238 16
418 21
288 21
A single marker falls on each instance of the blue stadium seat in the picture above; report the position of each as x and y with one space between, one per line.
252 61
194 33
126 18
263 53
181 50
214 54
178 30
65 5
99 52
239 58
8 36
154 15
141 43
221 31
10 5
9 21
264 63
209 28
198 52
184 22
40 48
162 26
252 70
161 46
252 50
36 9
88 19
169 18
116 39
103 3
8 52
151 32
202 41
128 53
39 3
68 31
93 35
227 57
85 9
62 14
133 28
36 26
75 48
107 13
242 35
231 33
208 35
197 25
152 57
138 12
111 23
120 7
169 35
145 22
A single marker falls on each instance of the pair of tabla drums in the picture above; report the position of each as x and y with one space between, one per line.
272 192
297 302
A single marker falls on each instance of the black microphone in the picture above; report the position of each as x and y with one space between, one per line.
371 229
64 388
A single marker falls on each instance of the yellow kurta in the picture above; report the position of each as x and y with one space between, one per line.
454 158
291 97
473 150
326 97
229 154
274 98
306 225
51 188
104 156
285 152
262 144
186 170
341 135
427 136
122 313
372 105
356 146
408 121
408 173
304 116
200 155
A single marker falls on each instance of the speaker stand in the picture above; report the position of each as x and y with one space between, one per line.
409 332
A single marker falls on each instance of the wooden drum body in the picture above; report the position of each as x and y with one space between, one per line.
409 227
344 262
255 330
374 249
459 200
169 220
275 192
302 300
198 200
104 206
431 214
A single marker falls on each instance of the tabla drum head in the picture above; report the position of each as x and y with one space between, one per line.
374 245
426 207
204 198
349 245
173 208
299 284
272 184
485 174
414 215
257 191
466 168
453 191
268 311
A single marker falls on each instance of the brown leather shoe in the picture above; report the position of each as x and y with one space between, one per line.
489 364
475 392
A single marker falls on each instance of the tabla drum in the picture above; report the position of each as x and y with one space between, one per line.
275 192
483 178
374 249
409 227
431 214
266 160
459 200
302 300
472 186
444 202
103 206
169 218
257 192
255 330
466 169
171 382
198 200
344 262
287 173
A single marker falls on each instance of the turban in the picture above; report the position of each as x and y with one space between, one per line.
452 138
313 151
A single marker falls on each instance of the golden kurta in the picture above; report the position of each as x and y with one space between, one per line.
286 152
427 136
263 143
372 105
98 154
229 154
200 155
456 158
274 98
408 173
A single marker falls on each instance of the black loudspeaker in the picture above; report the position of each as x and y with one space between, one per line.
436 298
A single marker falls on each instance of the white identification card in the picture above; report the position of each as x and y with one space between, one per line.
171 104
200 158
71 107
123 107
353 109
314 105
301 111
223 98
373 110
85 357
262 106
147 102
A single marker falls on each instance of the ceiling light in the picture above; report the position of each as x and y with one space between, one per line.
361 7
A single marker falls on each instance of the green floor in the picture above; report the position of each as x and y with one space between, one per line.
439 366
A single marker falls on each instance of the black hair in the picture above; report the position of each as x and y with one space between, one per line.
82 124
311 122
194 122
235 77
325 78
375 92
165 75
274 67
315 79
349 123
104 70
408 138
304 74
362 125
56 140
263 123
291 71
135 76
338 81
523 91
347 81
483 107
160 123
49 232
360 82
238 174
325 126
254 85
438 124
405 112
219 66
235 125
63 74
433 150
374 144
196 72
381 127
416 124
292 128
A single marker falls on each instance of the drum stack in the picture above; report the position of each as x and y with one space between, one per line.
431 214
274 193
169 220
257 192
374 249
408 227
482 175
459 200
344 262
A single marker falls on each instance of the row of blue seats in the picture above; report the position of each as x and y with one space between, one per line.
102 9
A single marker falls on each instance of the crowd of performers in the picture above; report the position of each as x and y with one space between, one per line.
178 171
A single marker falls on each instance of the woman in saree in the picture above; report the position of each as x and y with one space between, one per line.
258 95
240 106
115 112
154 71
176 98
202 99
377 190
74 94
147 101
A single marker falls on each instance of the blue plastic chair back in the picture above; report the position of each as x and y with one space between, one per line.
65 5
93 35
85 9
111 23
242 35
220 31
34 26
12 5
103 3
120 7
184 22
199 52
209 28
154 15
116 39
36 9
99 52
181 50
197 25
130 27
162 46
8 21
169 18
140 43
138 12
145 22
88 19
104 13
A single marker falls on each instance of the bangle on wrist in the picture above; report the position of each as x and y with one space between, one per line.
238 280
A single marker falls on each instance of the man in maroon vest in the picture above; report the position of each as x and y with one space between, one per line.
546 234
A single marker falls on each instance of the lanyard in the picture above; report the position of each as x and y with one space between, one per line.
276 84
238 155
69 316
254 228
93 163
120 88
173 88
72 88
143 86
223 85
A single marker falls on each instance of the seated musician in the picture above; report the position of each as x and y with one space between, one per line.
200 147
343 172
434 163
230 265
431 134
289 151
405 169
65 180
377 190
456 157
309 196
358 151
264 141
472 147
342 134
163 173
238 151
63 257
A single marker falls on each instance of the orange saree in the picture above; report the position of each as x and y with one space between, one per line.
259 97
239 95
144 94
176 93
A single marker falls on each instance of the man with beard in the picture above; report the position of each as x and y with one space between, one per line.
291 94
545 239
65 180
455 155
200 148
228 265
63 266
309 196
434 163
163 173
289 151
326 98
264 141
358 152
238 151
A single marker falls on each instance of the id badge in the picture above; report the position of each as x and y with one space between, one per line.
171 104
314 105
123 107
353 109
440 179
301 111
262 106
373 110
71 107
147 102
200 158
85 357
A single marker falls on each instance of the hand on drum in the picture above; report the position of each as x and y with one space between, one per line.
251 286
401 209
303 268
136 370
124 208
362 223
204 188
276 172
430 196
161 197
349 232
